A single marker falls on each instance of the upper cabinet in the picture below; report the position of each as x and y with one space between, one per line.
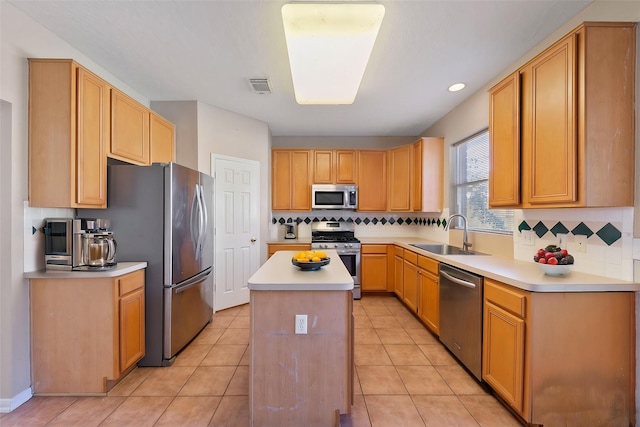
129 129
68 135
372 180
290 179
427 175
400 179
567 119
334 166
161 139
76 120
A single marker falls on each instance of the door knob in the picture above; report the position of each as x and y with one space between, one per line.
253 240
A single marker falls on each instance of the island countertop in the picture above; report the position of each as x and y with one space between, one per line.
279 274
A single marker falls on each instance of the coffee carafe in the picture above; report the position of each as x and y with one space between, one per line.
99 249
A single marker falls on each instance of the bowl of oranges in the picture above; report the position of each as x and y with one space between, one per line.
310 260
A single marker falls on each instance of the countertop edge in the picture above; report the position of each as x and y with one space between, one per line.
121 269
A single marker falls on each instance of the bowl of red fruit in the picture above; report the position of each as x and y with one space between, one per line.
553 260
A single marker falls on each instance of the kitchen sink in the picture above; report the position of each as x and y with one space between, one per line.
442 249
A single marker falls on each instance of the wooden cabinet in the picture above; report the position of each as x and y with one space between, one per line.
429 293
86 333
569 116
290 179
372 180
427 175
505 309
410 280
398 271
129 129
400 178
68 134
334 167
273 248
161 139
374 267
537 347
504 142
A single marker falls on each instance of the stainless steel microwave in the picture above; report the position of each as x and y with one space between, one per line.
328 196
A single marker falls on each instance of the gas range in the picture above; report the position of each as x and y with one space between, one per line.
341 237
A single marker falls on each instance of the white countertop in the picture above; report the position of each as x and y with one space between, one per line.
521 274
120 269
278 274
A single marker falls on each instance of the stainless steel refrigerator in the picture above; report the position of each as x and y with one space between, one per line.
162 214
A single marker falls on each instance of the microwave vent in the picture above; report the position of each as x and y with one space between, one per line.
260 86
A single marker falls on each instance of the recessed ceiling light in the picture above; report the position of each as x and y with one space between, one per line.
329 46
456 87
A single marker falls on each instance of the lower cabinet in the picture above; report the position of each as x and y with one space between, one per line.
398 272
273 248
374 268
410 278
561 358
429 293
86 333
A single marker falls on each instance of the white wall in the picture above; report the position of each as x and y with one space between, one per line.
22 38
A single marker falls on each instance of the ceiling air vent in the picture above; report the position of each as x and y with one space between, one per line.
260 86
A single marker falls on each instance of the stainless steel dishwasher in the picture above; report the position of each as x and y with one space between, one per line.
461 316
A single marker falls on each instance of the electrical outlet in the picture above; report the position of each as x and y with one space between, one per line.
301 324
562 240
581 242
528 237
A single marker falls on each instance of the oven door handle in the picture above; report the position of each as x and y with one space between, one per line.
458 281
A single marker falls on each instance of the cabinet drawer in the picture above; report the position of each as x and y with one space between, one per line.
412 257
398 251
428 264
131 282
374 249
506 297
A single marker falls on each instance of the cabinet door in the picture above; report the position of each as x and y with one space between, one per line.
93 135
398 283
300 180
410 290
400 167
503 354
504 142
429 306
129 129
131 328
550 125
161 139
372 180
280 179
346 167
323 167
374 272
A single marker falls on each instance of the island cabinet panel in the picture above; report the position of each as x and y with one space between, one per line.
86 334
68 135
372 180
561 358
307 377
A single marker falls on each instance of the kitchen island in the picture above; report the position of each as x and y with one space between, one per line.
304 378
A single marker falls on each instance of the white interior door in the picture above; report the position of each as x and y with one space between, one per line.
237 228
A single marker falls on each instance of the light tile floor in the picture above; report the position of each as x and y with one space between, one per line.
404 377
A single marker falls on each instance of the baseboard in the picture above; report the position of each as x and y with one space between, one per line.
8 405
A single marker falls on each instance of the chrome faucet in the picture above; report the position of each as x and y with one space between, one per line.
465 242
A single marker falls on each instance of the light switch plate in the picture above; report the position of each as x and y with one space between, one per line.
562 240
528 237
580 243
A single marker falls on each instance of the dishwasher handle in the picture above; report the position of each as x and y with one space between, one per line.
458 281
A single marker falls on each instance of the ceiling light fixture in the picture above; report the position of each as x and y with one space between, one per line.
329 46
456 87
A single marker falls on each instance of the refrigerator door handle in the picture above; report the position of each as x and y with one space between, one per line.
198 278
201 215
204 218
194 204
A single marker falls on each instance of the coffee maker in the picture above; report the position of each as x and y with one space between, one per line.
291 230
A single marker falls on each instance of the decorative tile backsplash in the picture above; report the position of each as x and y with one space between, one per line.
608 233
365 219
